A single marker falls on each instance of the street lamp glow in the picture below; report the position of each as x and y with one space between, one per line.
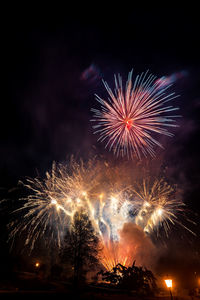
199 281
37 264
168 283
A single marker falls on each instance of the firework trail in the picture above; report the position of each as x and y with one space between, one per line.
128 120
161 207
48 211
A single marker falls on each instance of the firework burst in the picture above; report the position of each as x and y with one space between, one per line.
48 211
128 120
161 207
49 208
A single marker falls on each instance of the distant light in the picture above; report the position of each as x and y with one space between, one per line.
168 283
84 193
37 264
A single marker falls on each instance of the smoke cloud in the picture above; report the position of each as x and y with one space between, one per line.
145 253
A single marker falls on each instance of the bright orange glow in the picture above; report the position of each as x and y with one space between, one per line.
114 253
168 283
199 281
129 123
37 264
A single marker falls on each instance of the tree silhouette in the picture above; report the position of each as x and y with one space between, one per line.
80 247
134 278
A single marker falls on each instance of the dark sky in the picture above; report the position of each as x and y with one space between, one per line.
55 62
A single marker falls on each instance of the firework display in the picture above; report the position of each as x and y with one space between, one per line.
158 206
119 202
130 118
109 203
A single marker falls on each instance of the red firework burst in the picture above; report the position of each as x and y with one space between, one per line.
128 120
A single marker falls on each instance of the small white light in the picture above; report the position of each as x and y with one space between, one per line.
159 211
53 201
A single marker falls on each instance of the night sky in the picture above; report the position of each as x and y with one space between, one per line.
55 64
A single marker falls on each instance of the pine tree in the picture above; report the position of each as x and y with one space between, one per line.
81 247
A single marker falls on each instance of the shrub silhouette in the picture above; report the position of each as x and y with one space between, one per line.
133 278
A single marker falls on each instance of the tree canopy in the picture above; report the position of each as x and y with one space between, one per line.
81 246
134 278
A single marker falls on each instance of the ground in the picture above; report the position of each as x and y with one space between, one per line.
31 286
